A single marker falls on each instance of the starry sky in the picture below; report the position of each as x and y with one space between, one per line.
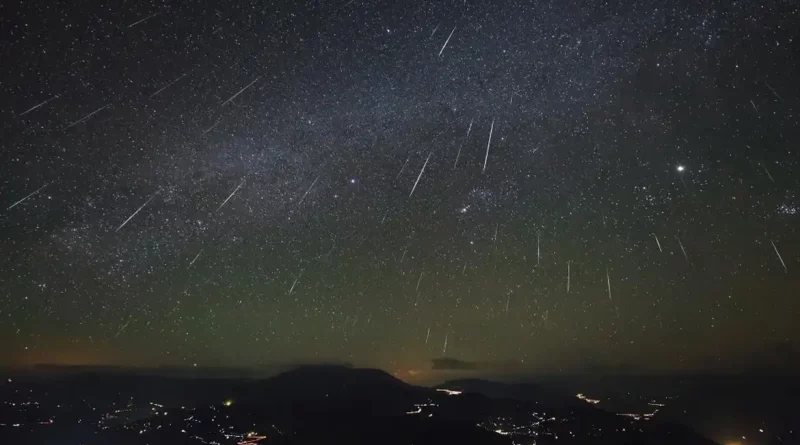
501 185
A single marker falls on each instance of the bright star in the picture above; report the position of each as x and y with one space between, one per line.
681 168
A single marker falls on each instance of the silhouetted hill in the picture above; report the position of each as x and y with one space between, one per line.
517 391
667 433
561 404
330 377
308 405
96 387
318 388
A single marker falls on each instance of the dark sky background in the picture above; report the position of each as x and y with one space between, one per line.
495 186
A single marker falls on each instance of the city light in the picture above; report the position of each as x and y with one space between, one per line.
449 392
586 399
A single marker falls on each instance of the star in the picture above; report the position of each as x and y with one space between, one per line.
491 148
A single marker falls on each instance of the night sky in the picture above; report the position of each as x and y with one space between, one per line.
506 186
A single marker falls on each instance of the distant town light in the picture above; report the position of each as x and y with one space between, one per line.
449 392
586 399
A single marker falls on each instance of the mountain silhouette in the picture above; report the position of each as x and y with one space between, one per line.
319 404
318 388
517 391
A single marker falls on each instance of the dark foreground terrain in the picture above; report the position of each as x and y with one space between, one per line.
308 405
